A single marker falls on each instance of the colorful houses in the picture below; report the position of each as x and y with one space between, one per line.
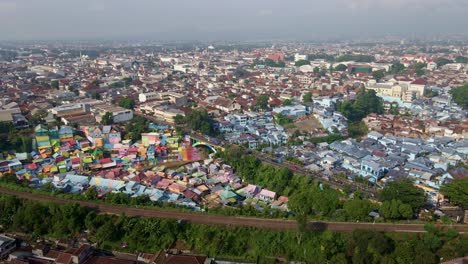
73 161
42 139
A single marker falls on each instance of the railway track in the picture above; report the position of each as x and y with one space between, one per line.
201 218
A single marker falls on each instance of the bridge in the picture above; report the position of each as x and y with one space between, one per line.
198 140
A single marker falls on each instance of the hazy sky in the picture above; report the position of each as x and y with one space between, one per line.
227 19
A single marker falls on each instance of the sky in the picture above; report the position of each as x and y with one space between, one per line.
227 19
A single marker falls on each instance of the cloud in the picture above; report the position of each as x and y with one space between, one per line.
403 4
8 7
97 7
265 12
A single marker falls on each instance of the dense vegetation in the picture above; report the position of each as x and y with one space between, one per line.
301 63
457 192
197 120
461 59
12 139
356 58
107 119
250 168
126 102
261 102
308 198
151 234
460 95
443 61
366 102
135 127
270 63
307 98
397 67
341 67
282 119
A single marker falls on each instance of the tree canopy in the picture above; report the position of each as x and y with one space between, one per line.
127 103
378 75
307 98
461 59
460 95
301 63
397 67
282 119
341 67
262 102
457 192
356 58
107 119
366 102
405 191
251 244
443 61
54 84
135 127
199 120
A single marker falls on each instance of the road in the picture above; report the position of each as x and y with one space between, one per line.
200 218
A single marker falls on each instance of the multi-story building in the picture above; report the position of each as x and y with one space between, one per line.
119 114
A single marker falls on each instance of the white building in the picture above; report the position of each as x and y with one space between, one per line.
143 97
298 57
119 114
431 66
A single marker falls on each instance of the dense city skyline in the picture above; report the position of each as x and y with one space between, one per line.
209 19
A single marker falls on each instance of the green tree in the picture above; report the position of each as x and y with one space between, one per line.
357 129
366 102
91 193
287 102
127 103
96 95
443 61
301 63
179 120
8 178
341 67
307 98
356 58
397 67
127 80
38 117
316 70
420 68
457 192
282 119
460 95
461 59
358 209
378 75
135 127
262 102
395 209
199 120
54 84
107 119
405 191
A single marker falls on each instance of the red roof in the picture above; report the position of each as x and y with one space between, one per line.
419 82
105 161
